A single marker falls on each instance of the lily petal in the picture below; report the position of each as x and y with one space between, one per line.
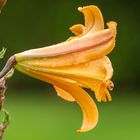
91 74
64 94
93 21
90 112
93 18
84 49
77 29
112 26
78 50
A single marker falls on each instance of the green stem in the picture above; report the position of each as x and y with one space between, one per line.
9 65
5 123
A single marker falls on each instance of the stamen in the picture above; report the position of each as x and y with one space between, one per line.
109 84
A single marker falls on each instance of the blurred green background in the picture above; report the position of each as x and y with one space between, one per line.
36 112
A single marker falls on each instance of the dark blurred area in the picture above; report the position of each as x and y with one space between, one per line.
27 24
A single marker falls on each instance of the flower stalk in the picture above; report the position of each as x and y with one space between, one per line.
6 119
3 87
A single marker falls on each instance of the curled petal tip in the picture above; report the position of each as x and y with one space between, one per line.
79 9
77 29
113 27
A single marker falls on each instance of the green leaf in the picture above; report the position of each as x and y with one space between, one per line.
2 53
6 119
10 73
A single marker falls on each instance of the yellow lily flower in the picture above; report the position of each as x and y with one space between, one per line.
80 62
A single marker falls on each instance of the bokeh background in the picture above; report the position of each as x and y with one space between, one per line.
36 112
